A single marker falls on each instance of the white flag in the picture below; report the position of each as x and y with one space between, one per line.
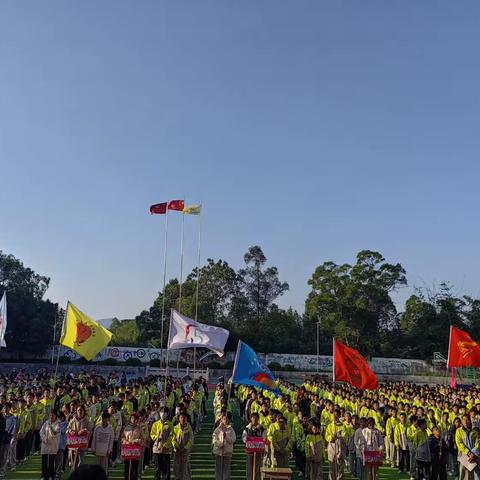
187 333
3 320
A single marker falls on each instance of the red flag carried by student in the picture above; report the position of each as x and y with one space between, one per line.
349 366
176 205
463 351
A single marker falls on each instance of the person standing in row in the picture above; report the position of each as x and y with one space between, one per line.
50 439
161 435
223 440
102 442
254 429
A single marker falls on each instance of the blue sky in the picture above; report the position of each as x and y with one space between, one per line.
314 129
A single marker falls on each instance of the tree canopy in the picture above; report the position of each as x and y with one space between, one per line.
352 302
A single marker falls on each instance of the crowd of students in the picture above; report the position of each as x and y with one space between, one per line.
424 431
39 414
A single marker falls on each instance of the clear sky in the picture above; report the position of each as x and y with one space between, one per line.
314 129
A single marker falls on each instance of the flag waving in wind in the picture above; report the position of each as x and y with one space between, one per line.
250 370
463 351
193 210
82 334
349 366
187 333
3 319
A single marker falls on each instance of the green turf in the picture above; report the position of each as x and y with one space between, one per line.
203 462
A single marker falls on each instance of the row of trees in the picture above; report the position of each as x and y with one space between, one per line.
352 302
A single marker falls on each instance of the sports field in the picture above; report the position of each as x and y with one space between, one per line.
203 462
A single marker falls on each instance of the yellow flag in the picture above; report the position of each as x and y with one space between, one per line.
193 210
82 334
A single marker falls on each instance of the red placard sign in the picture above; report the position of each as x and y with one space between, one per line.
373 458
78 441
131 451
255 444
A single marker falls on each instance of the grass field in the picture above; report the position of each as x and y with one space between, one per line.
203 462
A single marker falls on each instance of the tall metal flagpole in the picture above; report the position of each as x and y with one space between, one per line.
181 272
181 262
164 284
198 281
61 336
54 336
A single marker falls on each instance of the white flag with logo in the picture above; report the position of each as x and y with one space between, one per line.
3 320
187 333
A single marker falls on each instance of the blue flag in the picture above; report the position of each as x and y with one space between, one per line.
250 370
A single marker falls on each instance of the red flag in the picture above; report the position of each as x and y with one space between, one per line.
463 351
176 205
159 208
349 366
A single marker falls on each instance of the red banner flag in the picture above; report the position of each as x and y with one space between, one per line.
159 208
463 351
349 366
176 205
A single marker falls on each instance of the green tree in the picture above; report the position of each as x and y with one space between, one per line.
353 302
261 285
30 318
125 333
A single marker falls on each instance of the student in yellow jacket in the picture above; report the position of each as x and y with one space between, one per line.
282 443
314 447
24 426
161 435
182 442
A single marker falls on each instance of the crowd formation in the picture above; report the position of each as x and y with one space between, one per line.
153 417
424 431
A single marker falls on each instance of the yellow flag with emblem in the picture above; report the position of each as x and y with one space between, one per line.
82 334
192 210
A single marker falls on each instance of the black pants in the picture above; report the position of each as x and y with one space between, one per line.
162 466
36 441
21 448
439 471
48 466
131 469
114 454
147 456
299 460
403 460
423 470
29 443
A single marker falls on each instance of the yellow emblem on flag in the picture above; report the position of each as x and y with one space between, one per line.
82 334
193 210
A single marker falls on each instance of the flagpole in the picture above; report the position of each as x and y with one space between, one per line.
164 283
449 345
168 354
233 372
333 365
181 262
181 272
198 281
54 336
61 336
